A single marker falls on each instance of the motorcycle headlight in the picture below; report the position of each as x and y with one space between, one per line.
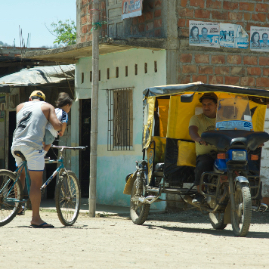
239 155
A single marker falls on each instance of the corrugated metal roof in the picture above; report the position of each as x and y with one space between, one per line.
38 76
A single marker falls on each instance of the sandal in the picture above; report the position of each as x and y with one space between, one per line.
22 212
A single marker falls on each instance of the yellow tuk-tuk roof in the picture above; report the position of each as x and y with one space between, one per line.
201 87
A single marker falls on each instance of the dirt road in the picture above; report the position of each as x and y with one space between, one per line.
183 240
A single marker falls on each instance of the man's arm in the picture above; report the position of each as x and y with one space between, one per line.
19 107
193 131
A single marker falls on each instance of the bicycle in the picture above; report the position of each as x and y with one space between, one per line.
67 190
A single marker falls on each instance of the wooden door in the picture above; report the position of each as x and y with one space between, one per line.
115 24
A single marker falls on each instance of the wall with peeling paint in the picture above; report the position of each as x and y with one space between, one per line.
265 161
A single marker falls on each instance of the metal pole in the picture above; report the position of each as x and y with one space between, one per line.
94 109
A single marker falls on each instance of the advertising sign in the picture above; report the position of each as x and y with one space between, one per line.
233 36
259 38
131 8
204 34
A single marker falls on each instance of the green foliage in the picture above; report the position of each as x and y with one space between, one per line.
65 32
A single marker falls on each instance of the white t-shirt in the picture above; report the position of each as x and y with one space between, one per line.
62 116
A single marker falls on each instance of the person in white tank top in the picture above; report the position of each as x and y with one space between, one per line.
32 118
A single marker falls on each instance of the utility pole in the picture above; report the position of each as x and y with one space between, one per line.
94 108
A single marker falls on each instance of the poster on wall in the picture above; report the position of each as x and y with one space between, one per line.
233 36
259 38
131 8
204 34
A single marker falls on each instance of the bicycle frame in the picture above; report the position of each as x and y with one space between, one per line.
27 177
55 173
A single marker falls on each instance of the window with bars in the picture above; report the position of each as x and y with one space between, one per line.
120 119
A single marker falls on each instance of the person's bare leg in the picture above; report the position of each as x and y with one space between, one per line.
35 195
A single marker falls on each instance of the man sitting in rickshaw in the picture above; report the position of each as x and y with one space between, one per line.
205 154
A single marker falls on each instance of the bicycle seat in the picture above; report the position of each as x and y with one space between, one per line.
19 154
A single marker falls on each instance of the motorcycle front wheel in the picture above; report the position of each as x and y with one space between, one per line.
241 216
138 211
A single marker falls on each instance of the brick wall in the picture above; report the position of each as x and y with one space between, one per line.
85 14
226 66
241 67
150 24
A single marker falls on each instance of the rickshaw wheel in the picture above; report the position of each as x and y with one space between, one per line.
241 217
138 211
217 220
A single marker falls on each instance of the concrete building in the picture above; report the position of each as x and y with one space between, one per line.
148 50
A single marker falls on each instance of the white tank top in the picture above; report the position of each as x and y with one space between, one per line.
30 127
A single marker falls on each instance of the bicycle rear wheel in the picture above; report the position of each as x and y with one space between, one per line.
9 192
67 198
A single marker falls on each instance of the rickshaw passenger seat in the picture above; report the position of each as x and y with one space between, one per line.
173 171
159 150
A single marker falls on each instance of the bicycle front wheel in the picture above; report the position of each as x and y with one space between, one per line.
10 193
67 198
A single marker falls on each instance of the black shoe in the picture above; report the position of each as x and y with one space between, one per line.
198 198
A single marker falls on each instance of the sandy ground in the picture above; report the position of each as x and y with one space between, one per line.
175 240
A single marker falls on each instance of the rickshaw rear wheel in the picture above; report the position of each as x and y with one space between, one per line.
138 211
217 220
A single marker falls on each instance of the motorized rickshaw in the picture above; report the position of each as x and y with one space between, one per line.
233 188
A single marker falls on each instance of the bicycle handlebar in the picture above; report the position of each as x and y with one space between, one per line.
65 147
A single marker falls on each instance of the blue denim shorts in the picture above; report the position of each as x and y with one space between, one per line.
48 138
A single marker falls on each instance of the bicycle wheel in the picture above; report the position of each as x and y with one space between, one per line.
9 191
67 198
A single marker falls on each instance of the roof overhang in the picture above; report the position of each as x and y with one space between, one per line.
71 54
37 76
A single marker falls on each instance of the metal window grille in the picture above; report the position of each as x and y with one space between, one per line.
120 119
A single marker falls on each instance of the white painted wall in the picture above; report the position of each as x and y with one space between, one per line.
265 160
113 166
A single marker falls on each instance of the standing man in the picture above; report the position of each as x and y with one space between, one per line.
32 118
199 124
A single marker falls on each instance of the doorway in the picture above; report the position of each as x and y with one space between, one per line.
85 136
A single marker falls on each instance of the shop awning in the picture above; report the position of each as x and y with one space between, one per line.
37 76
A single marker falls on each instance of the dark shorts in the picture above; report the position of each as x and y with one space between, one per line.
204 163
